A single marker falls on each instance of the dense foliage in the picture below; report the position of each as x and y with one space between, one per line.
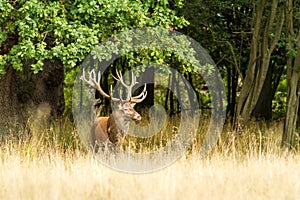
34 30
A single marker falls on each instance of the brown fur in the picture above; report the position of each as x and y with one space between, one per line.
113 129
99 131
113 132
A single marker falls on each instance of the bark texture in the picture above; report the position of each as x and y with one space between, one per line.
262 46
27 97
293 78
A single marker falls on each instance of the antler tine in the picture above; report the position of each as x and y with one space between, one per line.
119 75
89 82
99 77
140 95
121 80
133 80
82 77
95 83
92 79
130 86
138 99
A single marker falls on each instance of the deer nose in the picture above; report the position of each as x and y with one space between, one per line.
137 117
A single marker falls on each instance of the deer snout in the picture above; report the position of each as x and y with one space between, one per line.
137 117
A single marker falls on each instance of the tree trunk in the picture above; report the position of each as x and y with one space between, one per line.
291 108
232 84
10 108
261 48
168 93
172 101
293 78
263 108
192 92
27 97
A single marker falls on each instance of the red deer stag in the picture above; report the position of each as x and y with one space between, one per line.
112 129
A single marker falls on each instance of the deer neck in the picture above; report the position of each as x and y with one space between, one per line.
121 121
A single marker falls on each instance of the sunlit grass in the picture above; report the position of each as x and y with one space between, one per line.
53 164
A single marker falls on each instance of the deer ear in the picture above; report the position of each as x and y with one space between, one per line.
120 106
132 104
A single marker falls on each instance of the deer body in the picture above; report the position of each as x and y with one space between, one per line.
99 130
114 128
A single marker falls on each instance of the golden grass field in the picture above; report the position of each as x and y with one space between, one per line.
54 165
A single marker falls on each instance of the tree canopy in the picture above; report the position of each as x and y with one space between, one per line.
67 30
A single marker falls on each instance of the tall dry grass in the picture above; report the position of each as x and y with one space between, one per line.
52 164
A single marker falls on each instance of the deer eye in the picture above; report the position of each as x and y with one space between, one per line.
125 109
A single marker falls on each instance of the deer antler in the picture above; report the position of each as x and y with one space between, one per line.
95 83
139 98
135 99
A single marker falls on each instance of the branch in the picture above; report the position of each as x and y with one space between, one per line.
278 31
234 59
272 15
298 36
